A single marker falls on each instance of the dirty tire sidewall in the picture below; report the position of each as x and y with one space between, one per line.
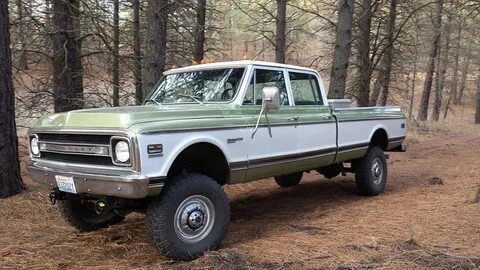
77 215
289 180
162 209
363 172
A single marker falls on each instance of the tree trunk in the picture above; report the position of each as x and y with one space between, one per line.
48 27
22 63
383 81
437 78
137 53
427 86
67 64
454 86
10 178
280 37
463 81
116 54
442 69
364 69
477 97
156 43
200 31
342 50
414 79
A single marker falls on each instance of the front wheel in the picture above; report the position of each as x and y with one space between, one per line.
371 172
189 218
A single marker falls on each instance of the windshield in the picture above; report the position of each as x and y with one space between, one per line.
218 85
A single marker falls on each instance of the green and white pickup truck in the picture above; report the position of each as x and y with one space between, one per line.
200 128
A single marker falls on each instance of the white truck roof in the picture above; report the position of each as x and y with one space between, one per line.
229 64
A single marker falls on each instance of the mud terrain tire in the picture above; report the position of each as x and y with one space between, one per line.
371 172
189 217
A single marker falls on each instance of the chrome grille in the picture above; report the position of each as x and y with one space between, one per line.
75 148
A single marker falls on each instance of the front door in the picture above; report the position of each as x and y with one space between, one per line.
270 151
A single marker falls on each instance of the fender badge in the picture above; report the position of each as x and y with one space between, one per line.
234 140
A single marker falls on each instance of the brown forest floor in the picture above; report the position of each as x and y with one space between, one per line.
417 223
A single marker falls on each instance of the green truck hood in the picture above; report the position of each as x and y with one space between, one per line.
144 118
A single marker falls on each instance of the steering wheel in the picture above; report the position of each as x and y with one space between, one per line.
227 93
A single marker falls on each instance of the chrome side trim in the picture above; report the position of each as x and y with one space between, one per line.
264 125
380 109
278 162
353 147
233 127
242 165
370 119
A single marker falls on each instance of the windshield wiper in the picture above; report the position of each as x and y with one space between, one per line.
192 97
153 100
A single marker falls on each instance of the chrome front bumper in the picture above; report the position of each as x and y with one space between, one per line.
102 182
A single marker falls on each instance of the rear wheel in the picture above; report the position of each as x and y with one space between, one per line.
371 172
189 218
84 215
289 180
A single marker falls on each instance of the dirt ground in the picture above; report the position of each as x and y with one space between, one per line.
426 219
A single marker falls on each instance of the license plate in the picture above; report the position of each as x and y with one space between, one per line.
65 183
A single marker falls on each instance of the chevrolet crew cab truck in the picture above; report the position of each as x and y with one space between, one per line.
200 128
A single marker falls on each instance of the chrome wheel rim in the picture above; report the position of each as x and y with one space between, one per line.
377 171
194 218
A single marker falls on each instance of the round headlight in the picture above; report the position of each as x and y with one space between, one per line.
122 151
34 146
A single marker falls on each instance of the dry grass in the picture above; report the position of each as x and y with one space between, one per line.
416 254
318 224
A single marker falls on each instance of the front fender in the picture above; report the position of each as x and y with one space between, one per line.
173 145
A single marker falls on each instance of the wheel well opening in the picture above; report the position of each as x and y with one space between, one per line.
204 158
380 138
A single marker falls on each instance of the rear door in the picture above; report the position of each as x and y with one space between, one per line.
316 124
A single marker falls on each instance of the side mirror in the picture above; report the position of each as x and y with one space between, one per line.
270 97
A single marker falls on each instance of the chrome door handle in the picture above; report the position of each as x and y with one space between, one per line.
293 118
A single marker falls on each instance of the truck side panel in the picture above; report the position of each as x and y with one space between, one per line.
356 127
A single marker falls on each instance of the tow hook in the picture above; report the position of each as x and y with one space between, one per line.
55 196
53 199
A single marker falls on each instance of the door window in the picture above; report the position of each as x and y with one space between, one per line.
265 78
305 89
